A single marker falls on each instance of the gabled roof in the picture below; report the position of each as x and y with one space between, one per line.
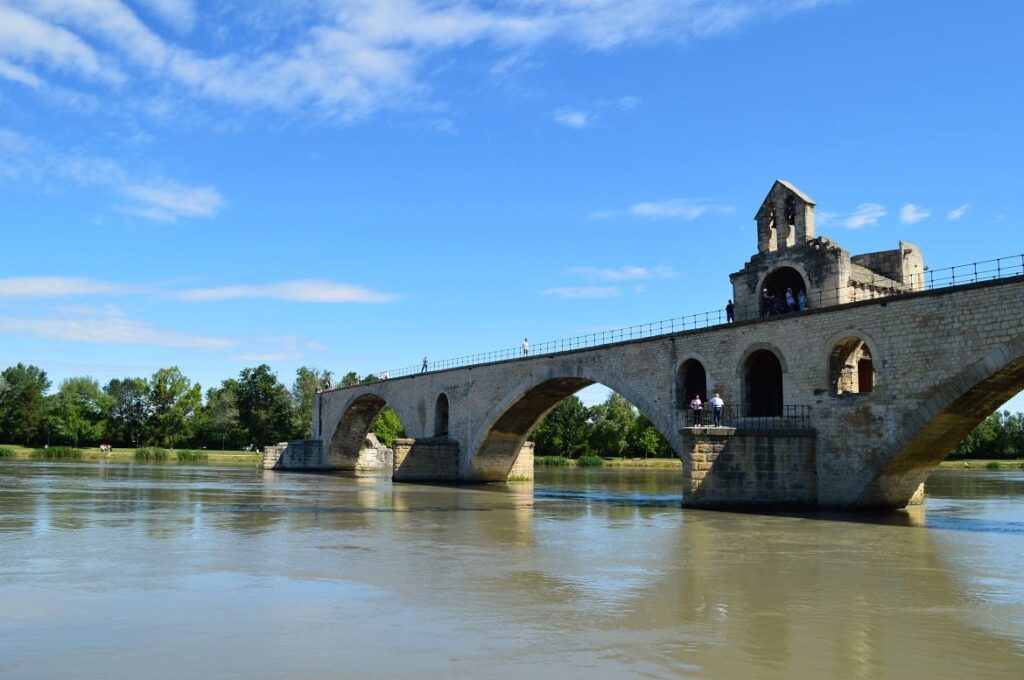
801 195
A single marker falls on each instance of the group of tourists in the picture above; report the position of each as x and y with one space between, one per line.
780 304
717 405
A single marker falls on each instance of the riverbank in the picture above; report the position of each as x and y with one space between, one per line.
94 455
982 464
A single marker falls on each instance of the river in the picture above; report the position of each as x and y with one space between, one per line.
133 571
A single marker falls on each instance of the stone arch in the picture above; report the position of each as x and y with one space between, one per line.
691 379
777 281
931 431
761 371
352 429
441 416
505 430
853 363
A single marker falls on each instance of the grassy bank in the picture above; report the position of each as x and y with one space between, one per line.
982 464
592 461
143 455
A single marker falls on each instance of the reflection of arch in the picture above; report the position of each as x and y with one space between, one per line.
956 408
499 441
691 379
777 282
762 383
441 416
851 367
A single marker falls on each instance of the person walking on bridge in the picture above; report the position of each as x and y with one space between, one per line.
526 347
423 369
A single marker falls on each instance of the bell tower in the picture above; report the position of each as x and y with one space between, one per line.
785 218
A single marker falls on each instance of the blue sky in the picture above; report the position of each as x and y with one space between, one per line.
354 184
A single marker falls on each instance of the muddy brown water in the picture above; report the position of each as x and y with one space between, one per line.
132 571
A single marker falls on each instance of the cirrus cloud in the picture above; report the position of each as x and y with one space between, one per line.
866 214
292 291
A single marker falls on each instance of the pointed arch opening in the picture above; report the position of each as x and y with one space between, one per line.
851 368
762 383
367 424
441 416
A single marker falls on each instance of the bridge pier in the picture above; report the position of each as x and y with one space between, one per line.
729 467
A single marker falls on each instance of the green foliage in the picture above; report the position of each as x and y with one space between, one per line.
187 456
1000 436
78 410
57 453
992 465
551 461
645 440
220 417
590 460
23 405
387 426
174 400
307 381
6 452
150 454
128 410
611 425
349 379
563 431
264 406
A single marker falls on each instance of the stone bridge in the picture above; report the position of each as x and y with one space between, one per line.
886 386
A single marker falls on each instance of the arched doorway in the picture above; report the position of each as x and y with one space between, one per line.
441 416
762 382
851 369
691 380
777 283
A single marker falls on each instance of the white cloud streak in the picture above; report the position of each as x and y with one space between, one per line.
571 293
56 286
957 213
911 214
866 214
293 291
676 208
345 60
627 273
571 118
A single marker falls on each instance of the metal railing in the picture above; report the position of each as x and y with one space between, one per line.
788 417
885 285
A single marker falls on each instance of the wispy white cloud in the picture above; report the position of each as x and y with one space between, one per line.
676 208
825 217
584 292
56 286
573 118
627 273
911 214
345 60
957 213
18 74
106 327
158 198
866 214
294 291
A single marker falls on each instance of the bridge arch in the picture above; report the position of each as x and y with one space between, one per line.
932 430
500 439
352 428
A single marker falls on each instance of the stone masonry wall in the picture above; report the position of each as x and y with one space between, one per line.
726 467
426 460
522 469
301 454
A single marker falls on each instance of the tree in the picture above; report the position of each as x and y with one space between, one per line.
174 400
128 410
349 379
307 381
220 419
264 406
612 422
387 426
23 404
563 431
78 410
645 439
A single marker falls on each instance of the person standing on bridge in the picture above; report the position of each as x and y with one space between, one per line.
730 312
526 347
423 369
717 404
698 410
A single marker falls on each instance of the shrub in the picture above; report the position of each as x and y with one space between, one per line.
992 465
150 454
6 452
551 461
590 460
192 456
57 453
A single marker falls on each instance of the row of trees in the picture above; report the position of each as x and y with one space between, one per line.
166 409
613 428
1001 435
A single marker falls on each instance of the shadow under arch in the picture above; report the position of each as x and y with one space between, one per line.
353 427
504 433
939 424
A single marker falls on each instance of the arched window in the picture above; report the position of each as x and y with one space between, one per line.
762 382
851 369
441 416
778 283
691 380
